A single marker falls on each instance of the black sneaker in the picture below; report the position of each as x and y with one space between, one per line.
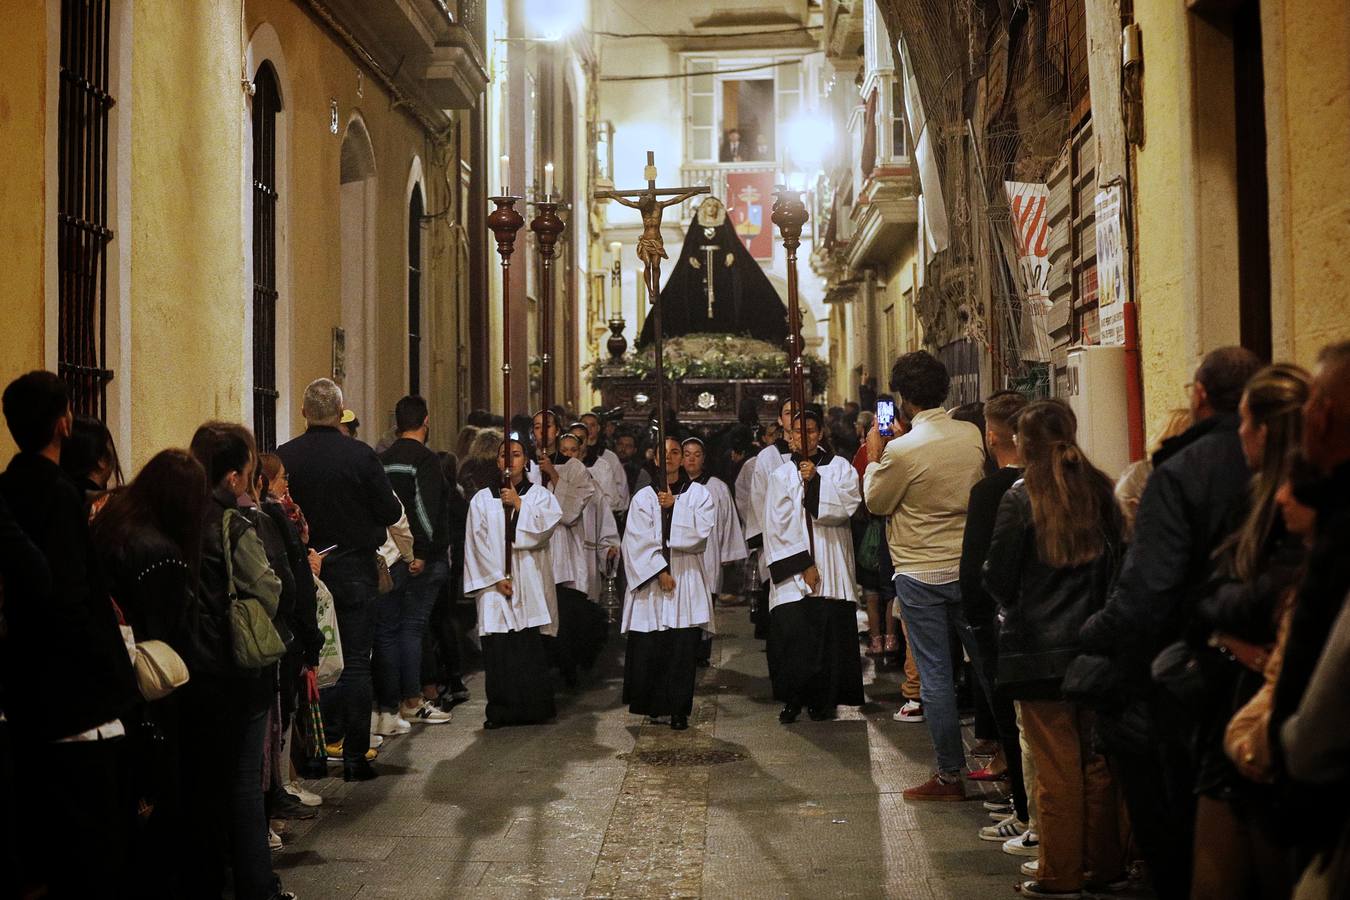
789 713
457 691
359 771
284 806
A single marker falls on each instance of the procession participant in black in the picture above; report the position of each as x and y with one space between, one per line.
668 606
774 454
813 645
583 627
515 602
571 483
727 543
604 465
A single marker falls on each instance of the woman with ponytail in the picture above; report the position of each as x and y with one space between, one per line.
1053 556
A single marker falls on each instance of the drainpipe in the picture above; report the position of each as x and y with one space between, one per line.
1134 382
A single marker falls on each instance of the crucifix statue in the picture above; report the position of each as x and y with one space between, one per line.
651 249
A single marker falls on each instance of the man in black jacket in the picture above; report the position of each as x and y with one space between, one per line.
349 504
415 472
67 678
1194 499
1000 427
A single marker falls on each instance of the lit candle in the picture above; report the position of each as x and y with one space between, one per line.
616 250
506 175
548 181
616 289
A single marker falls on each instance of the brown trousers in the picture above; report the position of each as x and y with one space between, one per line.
1077 809
909 689
1235 856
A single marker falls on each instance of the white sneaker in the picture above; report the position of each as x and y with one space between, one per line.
390 725
425 714
1031 868
273 841
1004 830
912 711
308 798
1026 844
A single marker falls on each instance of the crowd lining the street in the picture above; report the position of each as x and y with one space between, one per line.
1156 665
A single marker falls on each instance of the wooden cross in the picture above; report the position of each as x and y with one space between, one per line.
651 249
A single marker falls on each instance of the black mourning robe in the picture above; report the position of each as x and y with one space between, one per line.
744 302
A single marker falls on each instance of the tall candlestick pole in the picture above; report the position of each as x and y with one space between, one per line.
789 214
504 222
547 228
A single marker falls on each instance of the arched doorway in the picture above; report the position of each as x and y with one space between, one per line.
357 251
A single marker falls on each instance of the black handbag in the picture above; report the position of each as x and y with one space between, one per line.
1094 681
1177 672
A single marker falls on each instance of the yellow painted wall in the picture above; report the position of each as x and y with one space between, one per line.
1306 44
1185 185
23 121
320 71
187 288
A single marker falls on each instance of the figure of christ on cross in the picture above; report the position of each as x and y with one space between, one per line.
651 249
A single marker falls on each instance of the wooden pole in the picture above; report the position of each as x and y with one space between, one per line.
504 222
547 228
789 214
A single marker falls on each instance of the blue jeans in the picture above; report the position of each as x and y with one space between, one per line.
931 612
346 705
400 626
251 858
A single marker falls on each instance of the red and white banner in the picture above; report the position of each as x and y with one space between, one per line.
1029 204
750 205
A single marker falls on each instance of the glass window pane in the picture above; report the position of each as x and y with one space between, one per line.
702 84
701 110
702 144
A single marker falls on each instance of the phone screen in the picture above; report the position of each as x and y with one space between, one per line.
886 418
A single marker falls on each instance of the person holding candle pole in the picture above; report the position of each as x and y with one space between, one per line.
775 453
728 542
571 485
667 605
514 604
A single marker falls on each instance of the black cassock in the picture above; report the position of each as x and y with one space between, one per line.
744 301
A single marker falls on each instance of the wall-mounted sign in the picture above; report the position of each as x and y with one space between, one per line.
1113 289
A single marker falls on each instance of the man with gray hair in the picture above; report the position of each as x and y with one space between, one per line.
350 504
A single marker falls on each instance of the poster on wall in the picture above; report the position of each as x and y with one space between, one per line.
1112 286
750 205
1029 205
962 358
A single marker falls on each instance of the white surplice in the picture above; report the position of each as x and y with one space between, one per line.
646 606
613 481
727 543
599 532
534 600
785 534
573 489
767 461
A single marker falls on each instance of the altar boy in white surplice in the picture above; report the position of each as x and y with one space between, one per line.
514 604
813 634
668 605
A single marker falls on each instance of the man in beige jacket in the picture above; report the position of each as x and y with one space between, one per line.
922 481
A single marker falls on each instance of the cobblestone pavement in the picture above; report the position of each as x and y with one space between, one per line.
600 805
